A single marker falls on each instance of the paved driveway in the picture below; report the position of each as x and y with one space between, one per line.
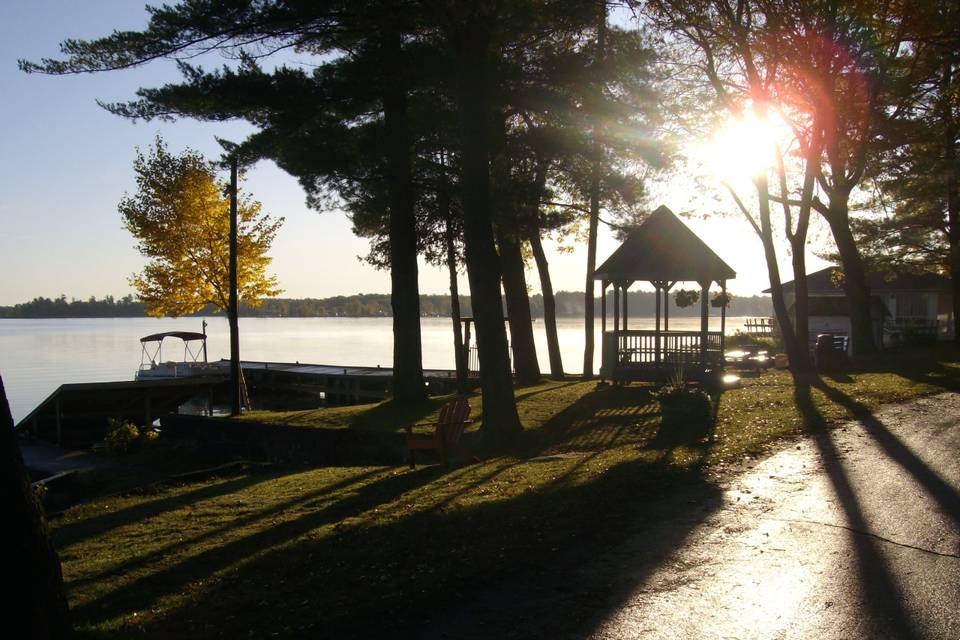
852 533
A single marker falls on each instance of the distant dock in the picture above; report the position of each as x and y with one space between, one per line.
336 384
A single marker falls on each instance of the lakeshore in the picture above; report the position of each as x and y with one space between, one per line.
36 356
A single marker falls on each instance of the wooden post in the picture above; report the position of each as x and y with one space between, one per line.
656 340
626 298
704 319
604 364
616 309
723 320
603 309
233 312
666 308
616 332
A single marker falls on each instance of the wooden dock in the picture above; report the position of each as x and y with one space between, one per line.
332 384
76 414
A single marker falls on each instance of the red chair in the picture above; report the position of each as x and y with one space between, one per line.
454 418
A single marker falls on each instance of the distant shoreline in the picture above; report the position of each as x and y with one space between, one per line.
569 304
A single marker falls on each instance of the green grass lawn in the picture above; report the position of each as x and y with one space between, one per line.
351 550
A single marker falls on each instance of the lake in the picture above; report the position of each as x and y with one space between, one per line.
36 356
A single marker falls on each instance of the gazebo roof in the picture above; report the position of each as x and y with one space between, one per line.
663 248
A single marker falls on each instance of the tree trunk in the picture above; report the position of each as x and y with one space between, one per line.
588 296
518 307
798 244
459 352
36 598
543 270
953 191
854 275
796 351
549 303
236 395
408 382
500 419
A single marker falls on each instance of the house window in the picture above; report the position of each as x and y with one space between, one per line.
911 306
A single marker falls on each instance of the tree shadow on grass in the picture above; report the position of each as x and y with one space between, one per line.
606 417
467 568
312 498
141 594
99 525
540 565
883 600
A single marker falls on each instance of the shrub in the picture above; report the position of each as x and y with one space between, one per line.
681 402
121 436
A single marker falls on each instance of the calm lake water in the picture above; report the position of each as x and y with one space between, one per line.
36 356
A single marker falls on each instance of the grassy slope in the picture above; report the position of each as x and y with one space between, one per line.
343 550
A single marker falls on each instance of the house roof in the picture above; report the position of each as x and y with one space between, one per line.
822 282
663 248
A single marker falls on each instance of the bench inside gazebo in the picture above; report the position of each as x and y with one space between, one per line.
663 252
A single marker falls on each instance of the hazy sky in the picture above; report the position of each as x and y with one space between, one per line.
65 163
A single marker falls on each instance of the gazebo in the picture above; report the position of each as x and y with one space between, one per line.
663 252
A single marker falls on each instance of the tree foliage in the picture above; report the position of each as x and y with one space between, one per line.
180 218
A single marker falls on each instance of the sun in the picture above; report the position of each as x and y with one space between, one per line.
743 147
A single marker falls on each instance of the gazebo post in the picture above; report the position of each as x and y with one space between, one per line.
656 340
723 319
614 373
666 308
616 313
704 319
603 307
626 297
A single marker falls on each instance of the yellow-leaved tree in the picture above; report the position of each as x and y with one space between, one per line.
180 217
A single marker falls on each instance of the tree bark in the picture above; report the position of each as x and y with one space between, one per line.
236 373
588 296
854 275
543 270
408 382
500 419
953 190
518 306
36 597
549 302
796 351
459 352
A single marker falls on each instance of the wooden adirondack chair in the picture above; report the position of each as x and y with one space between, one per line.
454 418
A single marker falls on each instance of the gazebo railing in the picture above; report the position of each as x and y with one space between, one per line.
640 347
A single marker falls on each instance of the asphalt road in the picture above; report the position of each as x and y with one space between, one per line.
852 533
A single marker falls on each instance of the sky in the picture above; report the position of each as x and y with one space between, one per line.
65 163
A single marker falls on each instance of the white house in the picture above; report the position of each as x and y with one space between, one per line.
903 306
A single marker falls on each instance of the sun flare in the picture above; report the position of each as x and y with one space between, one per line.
743 147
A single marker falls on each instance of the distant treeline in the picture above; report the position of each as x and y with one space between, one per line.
364 305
